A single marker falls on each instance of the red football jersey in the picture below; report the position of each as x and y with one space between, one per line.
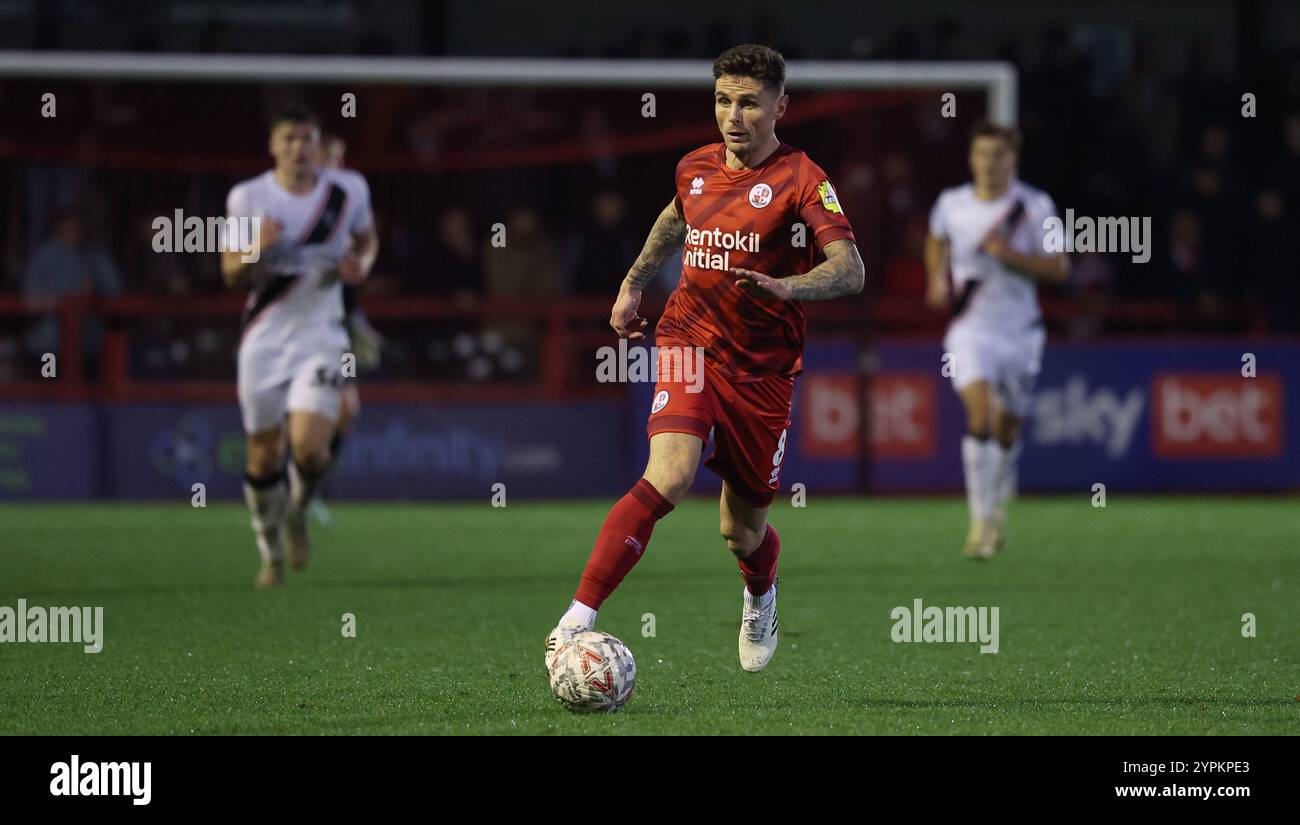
747 218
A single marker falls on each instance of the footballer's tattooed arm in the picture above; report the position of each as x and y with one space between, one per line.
842 273
667 237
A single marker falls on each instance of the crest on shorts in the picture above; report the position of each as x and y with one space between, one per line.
661 401
760 195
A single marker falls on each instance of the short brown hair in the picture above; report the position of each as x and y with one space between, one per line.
295 113
761 63
987 128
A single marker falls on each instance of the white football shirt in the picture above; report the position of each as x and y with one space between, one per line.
302 297
987 294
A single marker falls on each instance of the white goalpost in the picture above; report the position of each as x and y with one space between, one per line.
997 80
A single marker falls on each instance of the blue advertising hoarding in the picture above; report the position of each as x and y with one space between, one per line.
50 451
1158 417
414 452
1153 417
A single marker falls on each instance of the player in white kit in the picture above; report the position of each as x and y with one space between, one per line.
316 233
990 234
364 342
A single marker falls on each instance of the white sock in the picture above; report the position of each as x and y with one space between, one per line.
980 464
302 486
579 614
762 601
1008 475
266 506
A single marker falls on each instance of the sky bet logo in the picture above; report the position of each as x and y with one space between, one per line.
1216 415
77 778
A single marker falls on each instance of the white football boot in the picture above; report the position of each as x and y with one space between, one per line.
999 525
297 544
758 635
271 574
561 634
981 540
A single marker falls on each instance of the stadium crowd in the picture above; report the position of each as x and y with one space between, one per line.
1107 133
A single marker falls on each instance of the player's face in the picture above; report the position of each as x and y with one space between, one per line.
746 112
295 146
992 162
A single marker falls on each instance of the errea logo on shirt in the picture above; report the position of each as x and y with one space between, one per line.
697 186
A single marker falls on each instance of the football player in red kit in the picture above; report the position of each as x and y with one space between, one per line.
752 218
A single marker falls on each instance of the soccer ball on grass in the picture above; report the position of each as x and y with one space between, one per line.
593 673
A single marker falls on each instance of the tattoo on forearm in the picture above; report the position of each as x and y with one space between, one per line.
666 237
833 278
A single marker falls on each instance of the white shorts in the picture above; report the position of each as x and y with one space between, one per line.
1009 362
272 383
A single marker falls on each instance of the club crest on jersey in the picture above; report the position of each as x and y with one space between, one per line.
697 186
829 200
760 195
661 401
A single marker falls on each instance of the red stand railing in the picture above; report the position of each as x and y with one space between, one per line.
567 326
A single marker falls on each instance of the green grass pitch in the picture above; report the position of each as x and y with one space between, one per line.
1123 620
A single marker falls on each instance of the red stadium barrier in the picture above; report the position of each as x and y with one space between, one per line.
569 327
557 319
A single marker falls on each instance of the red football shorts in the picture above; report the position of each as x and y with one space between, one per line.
749 422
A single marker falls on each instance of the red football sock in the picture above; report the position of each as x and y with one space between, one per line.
621 541
759 567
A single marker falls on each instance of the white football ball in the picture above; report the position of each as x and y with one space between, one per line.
593 673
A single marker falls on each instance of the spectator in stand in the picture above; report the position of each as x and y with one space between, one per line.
454 260
160 273
64 266
455 272
527 265
605 241
1216 199
905 278
898 202
1092 275
1270 273
1182 262
1284 170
